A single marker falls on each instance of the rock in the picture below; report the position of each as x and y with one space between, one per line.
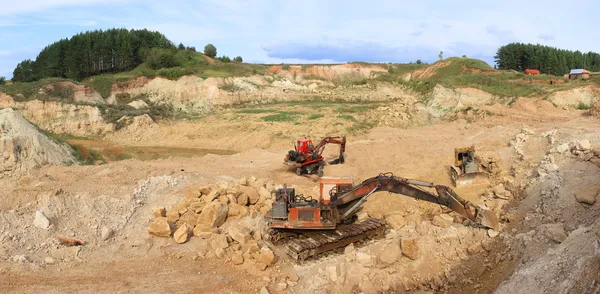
251 193
138 104
234 209
263 290
214 214
281 286
182 234
160 227
362 216
204 190
333 273
159 211
395 221
264 256
223 199
252 248
493 233
199 229
41 221
562 148
211 196
415 218
191 192
292 275
364 259
264 210
172 215
220 252
583 144
106 233
350 252
442 220
232 198
263 194
197 206
218 241
389 254
410 248
587 195
550 135
240 234
242 199
555 232
49 260
237 259
501 192
20 258
475 248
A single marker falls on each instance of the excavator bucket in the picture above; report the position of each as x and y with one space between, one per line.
489 219
469 179
476 213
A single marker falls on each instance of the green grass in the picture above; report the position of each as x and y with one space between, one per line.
282 116
315 116
46 90
583 106
355 108
255 110
347 117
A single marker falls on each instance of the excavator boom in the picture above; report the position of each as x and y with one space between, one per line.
350 201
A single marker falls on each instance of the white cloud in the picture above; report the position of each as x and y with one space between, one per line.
10 7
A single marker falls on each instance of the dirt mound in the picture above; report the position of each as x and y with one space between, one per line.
579 96
429 71
24 147
595 110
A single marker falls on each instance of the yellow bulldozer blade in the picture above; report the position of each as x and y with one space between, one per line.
470 179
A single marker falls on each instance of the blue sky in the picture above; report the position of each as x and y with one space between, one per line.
309 31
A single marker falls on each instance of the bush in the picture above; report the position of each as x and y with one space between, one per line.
210 50
181 47
285 66
161 58
3 80
224 59
238 59
193 49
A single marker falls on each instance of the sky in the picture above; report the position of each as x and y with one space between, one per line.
309 31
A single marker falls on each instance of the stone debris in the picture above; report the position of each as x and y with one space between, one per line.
159 211
41 221
213 215
264 290
264 256
390 254
182 234
237 259
364 259
361 216
583 144
555 232
160 227
106 233
410 248
587 195
442 220
219 241
395 221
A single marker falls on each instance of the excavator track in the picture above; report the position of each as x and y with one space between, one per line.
313 243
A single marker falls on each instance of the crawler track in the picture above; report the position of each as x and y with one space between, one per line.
313 243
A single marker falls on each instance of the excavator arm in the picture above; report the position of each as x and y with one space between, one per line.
318 150
348 202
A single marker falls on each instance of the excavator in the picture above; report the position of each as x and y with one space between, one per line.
315 226
308 159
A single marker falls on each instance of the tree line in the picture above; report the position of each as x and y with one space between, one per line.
549 60
91 53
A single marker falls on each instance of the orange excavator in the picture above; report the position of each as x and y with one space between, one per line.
308 159
316 226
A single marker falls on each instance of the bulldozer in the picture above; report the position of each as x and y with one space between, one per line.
315 226
466 168
308 159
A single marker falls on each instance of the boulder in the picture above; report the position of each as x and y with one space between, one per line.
232 198
105 233
264 290
501 192
281 287
264 256
395 221
587 195
410 248
173 215
218 241
160 227
211 196
240 234
234 209
555 232
220 252
415 218
182 234
197 206
159 211
191 192
562 148
251 193
41 221
237 259
583 144
138 104
493 233
252 248
442 220
223 199
389 254
263 194
204 190
364 259
214 214
362 216
242 199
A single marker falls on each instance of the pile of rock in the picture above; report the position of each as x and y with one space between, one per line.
228 215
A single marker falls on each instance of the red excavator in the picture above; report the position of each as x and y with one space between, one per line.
321 225
308 159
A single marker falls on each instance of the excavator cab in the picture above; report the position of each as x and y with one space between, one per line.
304 145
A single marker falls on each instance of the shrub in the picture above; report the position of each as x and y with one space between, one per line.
161 58
3 80
238 59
